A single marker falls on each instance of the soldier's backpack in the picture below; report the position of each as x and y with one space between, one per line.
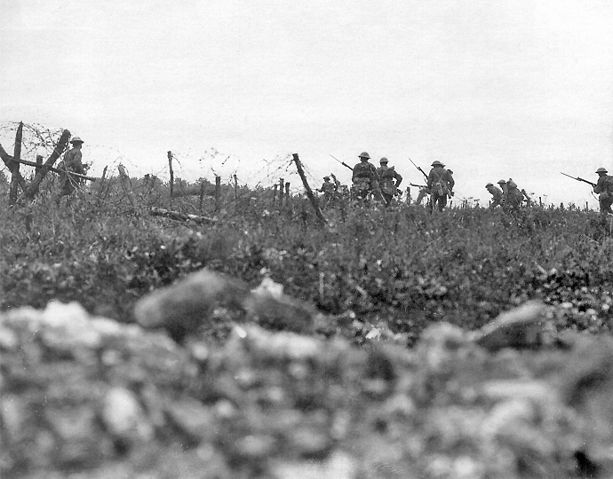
439 183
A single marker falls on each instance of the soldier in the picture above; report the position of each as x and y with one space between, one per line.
365 179
451 182
497 195
389 180
604 189
423 193
72 162
514 197
439 181
328 189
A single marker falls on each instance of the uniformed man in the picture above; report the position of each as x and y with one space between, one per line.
423 193
496 195
514 197
328 189
439 181
72 162
451 182
604 190
365 179
389 180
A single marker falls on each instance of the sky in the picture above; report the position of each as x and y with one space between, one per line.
494 89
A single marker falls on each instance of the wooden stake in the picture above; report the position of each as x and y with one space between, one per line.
32 190
172 175
235 187
309 192
15 165
201 196
126 184
217 192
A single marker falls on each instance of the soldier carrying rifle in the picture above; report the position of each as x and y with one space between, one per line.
365 178
389 180
440 184
72 163
603 188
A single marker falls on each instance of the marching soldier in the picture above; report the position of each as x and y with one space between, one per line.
365 179
439 181
497 195
389 180
604 190
72 162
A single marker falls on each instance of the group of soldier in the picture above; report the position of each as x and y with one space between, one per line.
383 184
507 195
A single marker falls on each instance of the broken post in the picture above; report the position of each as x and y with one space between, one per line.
32 189
201 196
15 165
126 184
217 192
172 175
281 182
309 192
235 187
39 163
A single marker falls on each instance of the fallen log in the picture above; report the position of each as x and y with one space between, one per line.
177 215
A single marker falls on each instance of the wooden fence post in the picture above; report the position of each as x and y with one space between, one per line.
235 187
217 192
309 192
15 165
126 184
201 196
274 194
39 164
281 183
32 189
172 175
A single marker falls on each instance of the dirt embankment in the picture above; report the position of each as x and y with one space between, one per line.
88 397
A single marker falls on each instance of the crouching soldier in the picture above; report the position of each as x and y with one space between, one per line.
496 195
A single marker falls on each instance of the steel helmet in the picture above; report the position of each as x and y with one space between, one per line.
601 170
511 184
383 160
437 163
450 171
501 182
488 185
364 154
326 177
76 139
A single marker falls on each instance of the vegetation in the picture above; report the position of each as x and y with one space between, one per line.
400 265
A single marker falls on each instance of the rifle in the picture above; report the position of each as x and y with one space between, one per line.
419 169
342 162
418 186
579 179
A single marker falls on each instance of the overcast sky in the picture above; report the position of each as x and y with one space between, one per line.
494 89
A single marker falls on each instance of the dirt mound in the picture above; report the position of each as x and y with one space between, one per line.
82 396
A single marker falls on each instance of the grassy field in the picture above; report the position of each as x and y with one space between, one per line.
400 265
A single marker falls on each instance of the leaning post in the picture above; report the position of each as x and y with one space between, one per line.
15 165
309 192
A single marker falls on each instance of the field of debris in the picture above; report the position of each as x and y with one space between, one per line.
253 340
